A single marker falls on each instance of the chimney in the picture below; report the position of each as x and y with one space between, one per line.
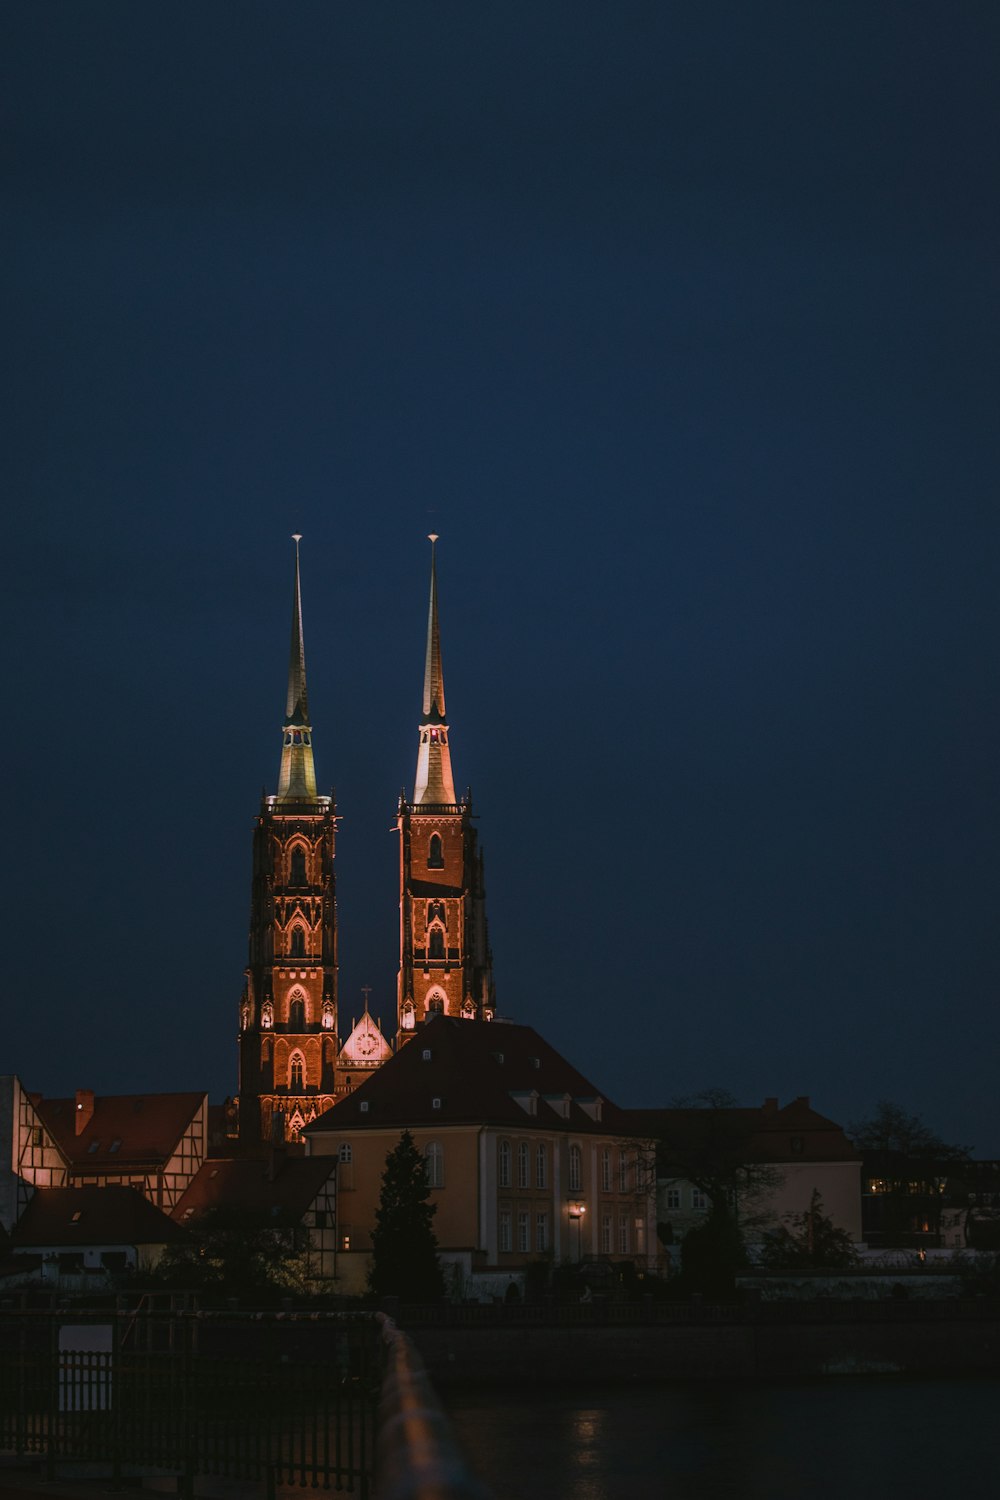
84 1109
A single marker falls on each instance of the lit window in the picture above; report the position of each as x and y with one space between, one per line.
541 1167
503 1164
408 1018
345 1239
76 1216
522 1165
575 1169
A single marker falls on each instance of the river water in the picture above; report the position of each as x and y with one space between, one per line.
849 1438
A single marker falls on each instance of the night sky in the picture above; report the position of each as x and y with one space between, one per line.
679 323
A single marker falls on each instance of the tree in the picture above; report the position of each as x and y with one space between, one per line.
906 1167
706 1142
238 1252
404 1250
808 1241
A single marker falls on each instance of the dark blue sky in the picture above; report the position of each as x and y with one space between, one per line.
680 325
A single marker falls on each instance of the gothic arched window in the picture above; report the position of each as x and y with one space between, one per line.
297 871
435 853
435 947
296 1073
435 1005
297 1013
407 1017
298 945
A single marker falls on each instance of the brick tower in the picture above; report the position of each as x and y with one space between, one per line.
445 964
288 1014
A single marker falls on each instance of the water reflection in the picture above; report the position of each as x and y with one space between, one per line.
852 1439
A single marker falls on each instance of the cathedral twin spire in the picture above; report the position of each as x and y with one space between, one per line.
434 783
297 777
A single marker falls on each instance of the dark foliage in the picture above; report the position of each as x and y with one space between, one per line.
404 1250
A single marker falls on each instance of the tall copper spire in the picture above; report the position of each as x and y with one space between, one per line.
297 777
434 783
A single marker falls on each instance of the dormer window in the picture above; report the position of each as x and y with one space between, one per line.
363 1106
435 1103
95 1145
426 1055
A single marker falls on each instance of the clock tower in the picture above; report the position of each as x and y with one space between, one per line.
445 963
288 1012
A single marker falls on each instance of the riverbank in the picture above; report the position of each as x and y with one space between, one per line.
899 1338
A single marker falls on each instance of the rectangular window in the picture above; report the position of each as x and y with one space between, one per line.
606 1242
345 1237
640 1236
523 1231
698 1198
522 1165
673 1197
505 1229
503 1164
606 1169
541 1167
624 1173
344 1152
623 1235
575 1169
319 1215
541 1232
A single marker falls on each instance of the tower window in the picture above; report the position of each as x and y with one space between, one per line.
296 1073
298 944
435 1005
297 871
436 945
296 1014
435 853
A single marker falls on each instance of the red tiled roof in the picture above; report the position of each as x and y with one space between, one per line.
92 1216
474 1068
247 1183
146 1128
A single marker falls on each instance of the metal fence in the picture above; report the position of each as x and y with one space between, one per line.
273 1399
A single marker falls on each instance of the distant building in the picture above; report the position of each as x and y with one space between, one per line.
81 1238
154 1143
298 1190
794 1150
525 1159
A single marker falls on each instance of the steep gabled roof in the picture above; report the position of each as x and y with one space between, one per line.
245 1183
125 1130
481 1072
93 1216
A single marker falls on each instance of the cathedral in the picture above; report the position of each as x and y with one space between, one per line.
293 1062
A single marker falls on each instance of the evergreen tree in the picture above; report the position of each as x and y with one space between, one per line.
404 1249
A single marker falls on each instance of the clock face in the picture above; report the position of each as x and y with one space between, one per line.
367 1044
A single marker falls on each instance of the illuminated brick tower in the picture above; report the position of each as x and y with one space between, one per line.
288 1013
445 964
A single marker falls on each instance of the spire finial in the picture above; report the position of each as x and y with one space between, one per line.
434 783
297 777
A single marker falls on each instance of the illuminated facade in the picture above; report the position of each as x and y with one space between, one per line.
445 964
288 1012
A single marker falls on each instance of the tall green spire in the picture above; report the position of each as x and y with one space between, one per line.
434 782
297 777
